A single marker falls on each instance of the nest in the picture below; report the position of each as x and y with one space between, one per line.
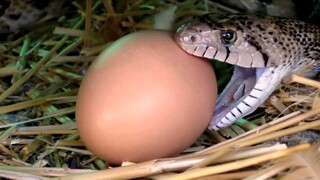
43 66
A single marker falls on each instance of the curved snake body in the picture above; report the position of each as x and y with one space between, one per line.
263 49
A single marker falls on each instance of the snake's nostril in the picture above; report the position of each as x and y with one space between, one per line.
193 38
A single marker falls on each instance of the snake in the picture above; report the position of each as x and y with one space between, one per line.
265 50
17 14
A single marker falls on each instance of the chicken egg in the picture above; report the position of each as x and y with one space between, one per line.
144 98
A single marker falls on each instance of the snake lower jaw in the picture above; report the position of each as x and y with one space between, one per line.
246 91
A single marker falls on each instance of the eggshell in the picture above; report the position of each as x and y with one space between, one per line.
144 98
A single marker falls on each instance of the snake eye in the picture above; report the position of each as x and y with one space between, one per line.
228 37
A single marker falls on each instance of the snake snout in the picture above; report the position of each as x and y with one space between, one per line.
187 40
196 39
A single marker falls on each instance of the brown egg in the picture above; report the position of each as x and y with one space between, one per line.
144 98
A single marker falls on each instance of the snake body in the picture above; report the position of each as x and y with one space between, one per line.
264 50
16 14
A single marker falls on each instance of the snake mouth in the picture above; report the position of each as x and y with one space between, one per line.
253 79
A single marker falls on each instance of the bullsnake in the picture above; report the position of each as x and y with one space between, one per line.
264 50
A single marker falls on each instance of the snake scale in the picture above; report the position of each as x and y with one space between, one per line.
264 50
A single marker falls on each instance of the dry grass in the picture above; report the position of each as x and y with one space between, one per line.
42 70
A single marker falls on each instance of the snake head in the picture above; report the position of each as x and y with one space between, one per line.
228 40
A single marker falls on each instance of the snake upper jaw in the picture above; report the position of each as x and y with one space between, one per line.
197 39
